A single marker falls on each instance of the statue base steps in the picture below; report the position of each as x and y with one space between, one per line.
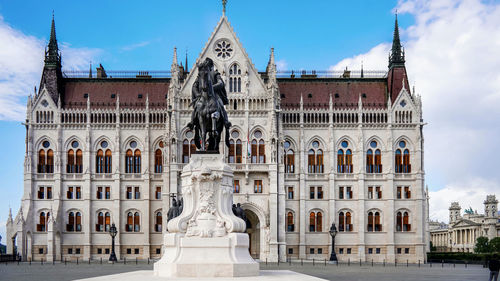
265 275
226 256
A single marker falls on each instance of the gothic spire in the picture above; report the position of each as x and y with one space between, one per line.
52 57
397 56
186 66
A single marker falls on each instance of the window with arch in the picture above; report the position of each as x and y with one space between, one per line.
258 148
315 158
74 158
374 224
103 222
235 79
345 222
403 221
132 158
42 221
45 158
290 226
103 158
344 158
235 154
74 222
374 158
315 221
133 222
159 158
158 221
188 146
402 158
289 158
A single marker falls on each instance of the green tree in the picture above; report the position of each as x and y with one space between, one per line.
495 244
482 245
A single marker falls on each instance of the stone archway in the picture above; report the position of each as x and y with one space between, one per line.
253 230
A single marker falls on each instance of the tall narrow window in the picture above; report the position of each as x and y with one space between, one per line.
348 192
406 222
236 186
137 161
158 193
107 161
235 79
348 161
407 192
71 222
311 163
369 161
340 161
158 161
406 161
290 227
137 224
239 151
315 158
341 221
289 158
107 221
129 193
70 166
290 192
370 221
133 158
378 191
374 222
378 225
348 222
129 161
74 158
312 222
158 222
99 161
262 152
41 227
320 192
99 192
188 146
41 192
311 192
319 222
69 193
100 222
378 162
108 192
42 164
398 192
49 192
370 192
399 221
341 192
257 185
130 222
137 193
231 154
78 192
78 222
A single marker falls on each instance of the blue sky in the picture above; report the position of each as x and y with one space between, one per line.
446 41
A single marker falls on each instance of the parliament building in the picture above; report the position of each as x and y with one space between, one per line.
307 148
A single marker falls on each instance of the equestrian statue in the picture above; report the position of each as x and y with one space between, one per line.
209 117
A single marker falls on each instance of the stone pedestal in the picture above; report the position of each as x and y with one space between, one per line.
207 239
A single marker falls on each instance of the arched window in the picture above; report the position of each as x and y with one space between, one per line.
188 146
374 222
402 158
403 221
74 222
159 159
137 224
103 158
319 222
42 225
74 158
315 158
100 222
133 158
290 226
158 222
235 79
258 148
312 222
129 227
45 158
235 148
344 158
373 158
289 158
345 223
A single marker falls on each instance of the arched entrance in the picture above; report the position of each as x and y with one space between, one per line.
253 230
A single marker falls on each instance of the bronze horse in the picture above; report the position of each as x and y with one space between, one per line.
209 114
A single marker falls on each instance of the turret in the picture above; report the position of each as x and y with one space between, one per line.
454 212
490 207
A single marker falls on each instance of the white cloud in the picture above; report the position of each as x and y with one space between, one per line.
21 63
453 54
281 65
135 46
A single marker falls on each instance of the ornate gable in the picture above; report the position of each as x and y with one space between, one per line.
225 49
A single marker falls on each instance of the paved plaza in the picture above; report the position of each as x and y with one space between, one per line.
72 271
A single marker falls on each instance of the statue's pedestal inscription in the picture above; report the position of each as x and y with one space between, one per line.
206 239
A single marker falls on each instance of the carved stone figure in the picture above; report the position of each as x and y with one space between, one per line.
209 116
173 211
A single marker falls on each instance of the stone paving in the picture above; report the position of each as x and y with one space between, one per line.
354 272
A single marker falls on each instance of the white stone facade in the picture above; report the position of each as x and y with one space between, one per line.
256 113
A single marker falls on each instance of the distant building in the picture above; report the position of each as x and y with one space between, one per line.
307 149
461 233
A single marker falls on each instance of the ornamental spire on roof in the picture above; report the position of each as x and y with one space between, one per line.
397 53
224 2
52 53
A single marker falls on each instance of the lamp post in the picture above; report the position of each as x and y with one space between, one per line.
333 233
113 232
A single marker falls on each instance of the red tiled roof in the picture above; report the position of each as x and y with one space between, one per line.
100 92
316 93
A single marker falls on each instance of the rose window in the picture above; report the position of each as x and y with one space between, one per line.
223 49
